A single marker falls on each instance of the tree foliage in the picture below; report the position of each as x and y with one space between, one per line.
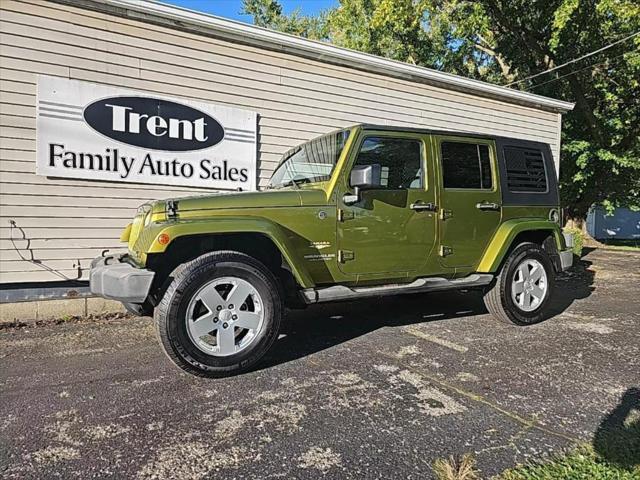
505 41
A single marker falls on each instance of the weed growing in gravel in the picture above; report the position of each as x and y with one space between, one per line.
453 468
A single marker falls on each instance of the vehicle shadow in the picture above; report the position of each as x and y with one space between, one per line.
617 439
575 284
322 326
319 327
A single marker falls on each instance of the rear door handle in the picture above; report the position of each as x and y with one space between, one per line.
487 206
420 206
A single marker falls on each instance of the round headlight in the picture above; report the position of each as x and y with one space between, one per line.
554 216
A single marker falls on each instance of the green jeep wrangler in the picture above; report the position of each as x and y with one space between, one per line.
361 212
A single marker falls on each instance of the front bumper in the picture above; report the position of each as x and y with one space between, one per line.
566 256
112 277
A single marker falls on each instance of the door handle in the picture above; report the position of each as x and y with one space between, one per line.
488 206
420 206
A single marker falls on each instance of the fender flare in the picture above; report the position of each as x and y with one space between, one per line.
506 234
224 225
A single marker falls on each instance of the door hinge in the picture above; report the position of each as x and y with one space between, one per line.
345 215
444 250
345 255
444 214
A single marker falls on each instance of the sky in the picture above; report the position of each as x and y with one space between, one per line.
232 8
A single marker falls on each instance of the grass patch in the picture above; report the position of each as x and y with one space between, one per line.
624 248
613 455
615 242
580 464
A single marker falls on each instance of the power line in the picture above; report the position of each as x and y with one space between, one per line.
574 60
580 70
583 69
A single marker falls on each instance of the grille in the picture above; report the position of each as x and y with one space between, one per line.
144 240
525 170
138 225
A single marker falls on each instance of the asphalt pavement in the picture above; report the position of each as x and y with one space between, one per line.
371 389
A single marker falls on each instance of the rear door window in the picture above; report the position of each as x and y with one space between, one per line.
466 165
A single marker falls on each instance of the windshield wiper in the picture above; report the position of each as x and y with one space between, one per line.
292 182
297 182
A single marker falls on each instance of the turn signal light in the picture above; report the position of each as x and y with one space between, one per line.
163 239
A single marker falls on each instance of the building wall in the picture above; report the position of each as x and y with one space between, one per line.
69 222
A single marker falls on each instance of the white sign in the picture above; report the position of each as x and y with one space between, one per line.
99 132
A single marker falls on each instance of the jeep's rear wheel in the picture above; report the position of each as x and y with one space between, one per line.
524 286
220 314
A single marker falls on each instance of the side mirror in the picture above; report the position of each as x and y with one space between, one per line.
363 177
366 176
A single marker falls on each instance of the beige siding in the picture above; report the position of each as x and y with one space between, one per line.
66 222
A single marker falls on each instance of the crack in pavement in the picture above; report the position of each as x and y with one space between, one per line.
531 423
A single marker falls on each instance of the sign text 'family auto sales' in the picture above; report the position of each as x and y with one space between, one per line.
100 132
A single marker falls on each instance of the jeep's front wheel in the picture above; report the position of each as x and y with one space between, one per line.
524 286
220 314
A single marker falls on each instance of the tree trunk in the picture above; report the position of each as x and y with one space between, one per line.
585 108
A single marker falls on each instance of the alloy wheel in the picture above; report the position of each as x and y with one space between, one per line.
225 316
530 286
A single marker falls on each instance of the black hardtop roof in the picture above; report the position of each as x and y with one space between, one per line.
430 131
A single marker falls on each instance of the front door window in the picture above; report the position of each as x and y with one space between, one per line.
400 158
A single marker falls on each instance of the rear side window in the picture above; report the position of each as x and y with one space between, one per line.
466 165
525 170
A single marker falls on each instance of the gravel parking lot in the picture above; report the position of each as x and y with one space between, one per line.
371 389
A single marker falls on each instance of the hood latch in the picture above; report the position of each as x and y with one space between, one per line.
172 208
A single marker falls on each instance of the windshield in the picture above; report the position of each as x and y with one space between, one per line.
310 162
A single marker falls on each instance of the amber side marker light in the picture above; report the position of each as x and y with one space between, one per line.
163 239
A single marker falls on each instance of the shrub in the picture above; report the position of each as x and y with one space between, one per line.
578 240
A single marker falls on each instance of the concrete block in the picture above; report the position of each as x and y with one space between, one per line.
21 311
61 308
98 306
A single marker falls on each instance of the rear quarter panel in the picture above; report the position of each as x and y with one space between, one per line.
515 221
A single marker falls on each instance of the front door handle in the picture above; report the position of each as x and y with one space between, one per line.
488 206
420 206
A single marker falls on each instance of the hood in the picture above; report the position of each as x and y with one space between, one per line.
249 200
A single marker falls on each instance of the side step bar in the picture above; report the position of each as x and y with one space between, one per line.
342 292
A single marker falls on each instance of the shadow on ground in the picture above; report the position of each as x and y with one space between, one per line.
575 284
617 439
323 326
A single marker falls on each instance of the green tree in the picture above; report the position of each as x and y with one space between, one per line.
268 14
506 41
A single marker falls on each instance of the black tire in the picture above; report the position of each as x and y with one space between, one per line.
170 313
498 299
